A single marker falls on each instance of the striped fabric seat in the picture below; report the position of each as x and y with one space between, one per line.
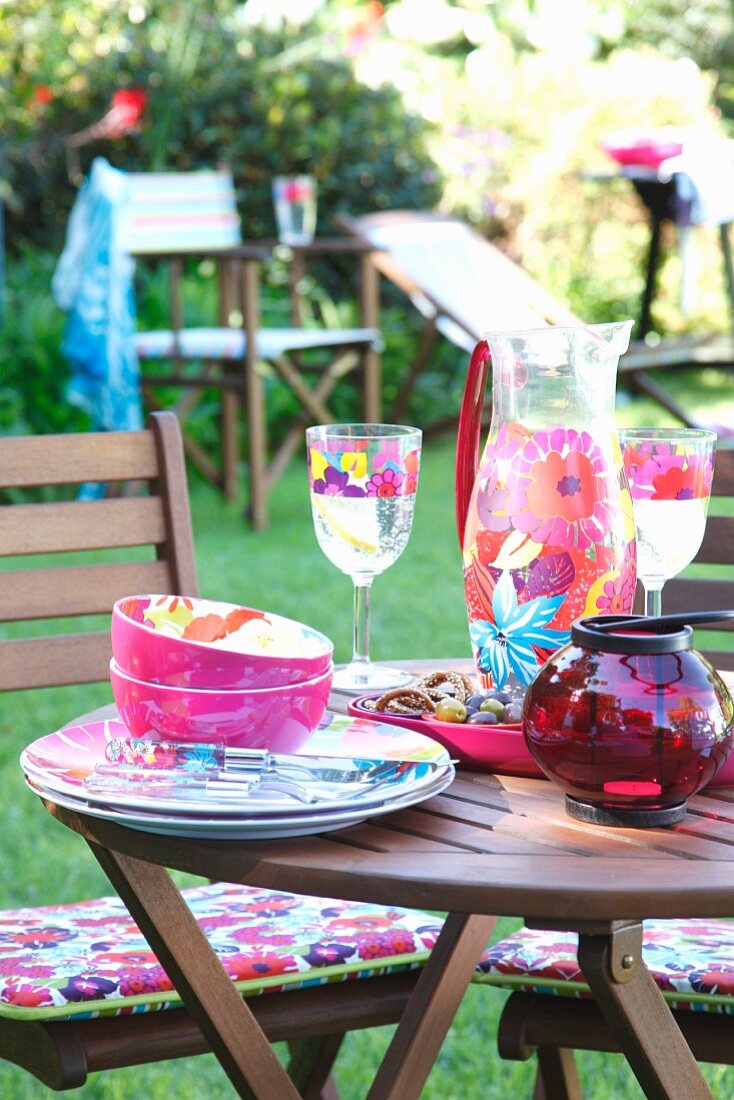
180 211
230 343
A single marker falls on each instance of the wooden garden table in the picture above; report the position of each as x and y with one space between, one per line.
487 846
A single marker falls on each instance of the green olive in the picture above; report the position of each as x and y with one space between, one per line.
494 706
450 710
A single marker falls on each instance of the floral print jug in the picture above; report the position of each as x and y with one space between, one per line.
545 519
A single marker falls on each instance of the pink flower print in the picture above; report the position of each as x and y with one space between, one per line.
152 979
15 965
492 504
557 489
40 938
656 471
387 484
379 945
26 996
615 597
492 494
389 455
681 484
242 967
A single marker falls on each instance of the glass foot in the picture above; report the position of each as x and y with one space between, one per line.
361 677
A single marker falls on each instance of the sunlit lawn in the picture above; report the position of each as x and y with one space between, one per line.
417 610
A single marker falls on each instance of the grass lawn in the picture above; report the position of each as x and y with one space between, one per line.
418 609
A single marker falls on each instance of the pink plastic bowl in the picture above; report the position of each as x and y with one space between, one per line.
648 152
280 719
144 643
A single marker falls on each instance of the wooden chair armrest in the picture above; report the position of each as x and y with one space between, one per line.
321 246
334 245
259 252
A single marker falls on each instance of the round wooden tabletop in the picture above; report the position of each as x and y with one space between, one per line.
488 844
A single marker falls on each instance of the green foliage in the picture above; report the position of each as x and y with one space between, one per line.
33 374
220 91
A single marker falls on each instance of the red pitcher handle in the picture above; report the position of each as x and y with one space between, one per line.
470 423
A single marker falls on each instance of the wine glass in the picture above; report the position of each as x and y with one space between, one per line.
669 472
363 479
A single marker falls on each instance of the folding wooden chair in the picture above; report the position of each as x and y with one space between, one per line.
173 215
47 1023
170 217
549 1012
464 285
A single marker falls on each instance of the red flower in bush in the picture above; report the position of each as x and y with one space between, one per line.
42 95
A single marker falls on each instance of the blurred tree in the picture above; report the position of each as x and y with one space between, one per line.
262 96
703 32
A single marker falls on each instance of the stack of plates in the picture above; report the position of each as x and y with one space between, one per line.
57 765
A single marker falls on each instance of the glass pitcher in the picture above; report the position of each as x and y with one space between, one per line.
545 518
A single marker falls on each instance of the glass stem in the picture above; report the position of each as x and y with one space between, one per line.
653 600
361 635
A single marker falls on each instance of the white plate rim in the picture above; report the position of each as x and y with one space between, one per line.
242 828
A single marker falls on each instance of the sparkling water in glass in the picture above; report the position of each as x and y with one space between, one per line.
669 472
363 480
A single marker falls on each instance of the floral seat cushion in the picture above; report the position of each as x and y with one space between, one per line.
692 962
90 959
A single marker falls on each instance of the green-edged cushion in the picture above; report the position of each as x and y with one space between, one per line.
692 962
90 959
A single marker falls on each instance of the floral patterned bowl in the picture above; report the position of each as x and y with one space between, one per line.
280 719
197 643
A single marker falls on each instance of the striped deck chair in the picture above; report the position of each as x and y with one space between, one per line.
464 285
172 217
461 283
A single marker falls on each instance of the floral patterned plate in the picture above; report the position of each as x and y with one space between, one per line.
60 762
498 748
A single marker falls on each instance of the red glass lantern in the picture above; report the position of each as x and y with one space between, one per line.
629 719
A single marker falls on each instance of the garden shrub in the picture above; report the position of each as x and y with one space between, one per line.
219 91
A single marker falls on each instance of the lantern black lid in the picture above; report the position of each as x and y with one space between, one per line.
638 634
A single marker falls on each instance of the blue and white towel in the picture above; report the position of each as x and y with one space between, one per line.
93 281
704 180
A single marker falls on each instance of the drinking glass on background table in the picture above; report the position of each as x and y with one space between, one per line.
669 472
294 200
363 480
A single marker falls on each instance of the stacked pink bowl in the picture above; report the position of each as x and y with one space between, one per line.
189 669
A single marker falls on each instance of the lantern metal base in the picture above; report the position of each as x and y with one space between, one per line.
634 818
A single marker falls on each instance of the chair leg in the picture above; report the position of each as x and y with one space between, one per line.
728 266
643 383
557 1077
230 442
369 310
310 1065
294 437
428 341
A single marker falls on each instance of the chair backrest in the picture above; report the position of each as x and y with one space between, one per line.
711 593
455 276
179 211
71 558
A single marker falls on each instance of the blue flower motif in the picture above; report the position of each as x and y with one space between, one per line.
199 758
506 645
